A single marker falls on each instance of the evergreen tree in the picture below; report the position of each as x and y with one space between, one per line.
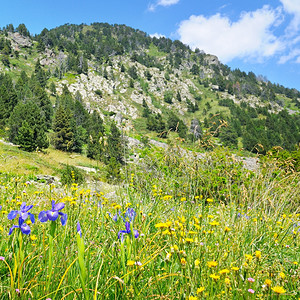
63 134
115 147
28 127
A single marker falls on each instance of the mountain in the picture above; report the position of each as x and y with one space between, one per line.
152 87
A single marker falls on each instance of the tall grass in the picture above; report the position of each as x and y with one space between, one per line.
180 228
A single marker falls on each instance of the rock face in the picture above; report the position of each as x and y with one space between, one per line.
20 40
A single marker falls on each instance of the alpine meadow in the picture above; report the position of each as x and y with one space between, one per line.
133 167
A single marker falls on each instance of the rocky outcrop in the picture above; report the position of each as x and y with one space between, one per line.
20 40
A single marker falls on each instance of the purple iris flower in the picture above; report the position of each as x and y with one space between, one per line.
79 229
127 231
115 217
25 229
129 215
23 212
53 213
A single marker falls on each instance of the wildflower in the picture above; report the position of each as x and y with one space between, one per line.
23 212
248 257
127 231
129 215
200 290
282 275
168 256
79 229
183 261
214 223
258 254
224 271
53 214
197 263
214 276
210 200
163 225
130 263
212 263
25 229
2 258
268 282
227 229
251 291
278 290
227 281
251 279
193 298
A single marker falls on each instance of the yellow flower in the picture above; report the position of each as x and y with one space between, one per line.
227 229
33 237
200 290
224 271
268 282
278 290
189 240
183 261
248 257
193 298
212 263
258 254
197 263
210 200
282 275
168 256
214 223
235 268
227 281
163 225
130 263
295 263
214 276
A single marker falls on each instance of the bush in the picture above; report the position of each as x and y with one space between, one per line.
70 175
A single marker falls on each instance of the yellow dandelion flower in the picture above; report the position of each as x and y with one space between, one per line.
227 229
189 240
193 298
183 261
248 257
197 263
214 223
214 276
282 275
235 268
212 264
227 281
268 282
224 271
200 290
278 290
210 200
130 263
258 254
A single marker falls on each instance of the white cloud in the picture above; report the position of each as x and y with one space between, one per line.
157 35
294 54
292 7
152 7
250 37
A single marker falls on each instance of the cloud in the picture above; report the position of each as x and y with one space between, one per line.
157 35
250 37
152 7
293 55
292 7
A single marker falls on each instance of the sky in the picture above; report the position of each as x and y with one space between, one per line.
262 36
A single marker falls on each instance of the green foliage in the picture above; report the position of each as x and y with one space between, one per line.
168 96
71 175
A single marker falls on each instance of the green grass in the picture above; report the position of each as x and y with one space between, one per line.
206 230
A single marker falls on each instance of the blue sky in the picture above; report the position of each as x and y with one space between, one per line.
262 36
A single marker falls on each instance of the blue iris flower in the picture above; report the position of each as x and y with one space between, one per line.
25 229
53 213
23 212
79 229
129 215
127 231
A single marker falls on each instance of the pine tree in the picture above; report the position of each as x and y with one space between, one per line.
115 147
63 134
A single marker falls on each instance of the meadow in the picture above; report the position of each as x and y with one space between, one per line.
177 228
